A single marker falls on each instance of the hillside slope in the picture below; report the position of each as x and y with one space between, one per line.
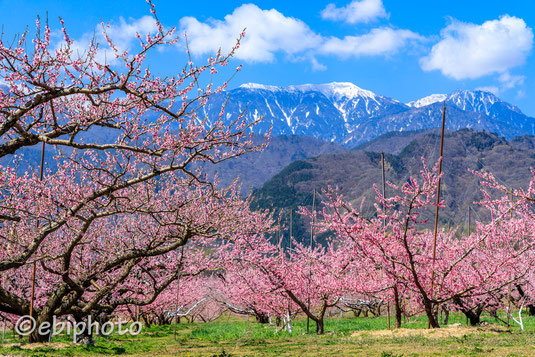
355 172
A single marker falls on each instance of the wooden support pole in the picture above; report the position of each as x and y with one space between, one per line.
280 237
384 225
34 267
437 202
176 306
508 305
291 230
312 223
388 313
5 316
469 219
311 246
384 181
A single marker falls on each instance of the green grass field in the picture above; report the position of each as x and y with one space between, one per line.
232 336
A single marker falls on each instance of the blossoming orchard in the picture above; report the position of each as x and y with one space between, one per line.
129 225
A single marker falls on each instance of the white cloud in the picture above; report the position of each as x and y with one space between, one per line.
471 51
378 42
509 81
356 11
317 66
492 89
506 81
125 32
122 34
268 32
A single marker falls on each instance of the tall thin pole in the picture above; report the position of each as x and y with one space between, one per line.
291 230
311 246
438 201
314 214
388 313
508 304
176 305
5 315
469 220
280 237
384 224
384 183
34 267
512 201
4 330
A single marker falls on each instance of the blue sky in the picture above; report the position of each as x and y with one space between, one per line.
401 49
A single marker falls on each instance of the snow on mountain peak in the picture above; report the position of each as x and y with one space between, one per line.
433 98
260 86
334 90
468 96
480 101
344 113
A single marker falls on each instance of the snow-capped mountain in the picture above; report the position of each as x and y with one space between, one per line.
352 102
347 114
433 98
478 101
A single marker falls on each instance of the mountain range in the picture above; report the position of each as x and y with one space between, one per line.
346 114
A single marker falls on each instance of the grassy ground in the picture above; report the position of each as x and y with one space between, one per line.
231 336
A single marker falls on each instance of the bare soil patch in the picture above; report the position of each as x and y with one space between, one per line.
450 331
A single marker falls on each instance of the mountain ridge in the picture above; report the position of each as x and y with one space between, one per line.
346 114
354 172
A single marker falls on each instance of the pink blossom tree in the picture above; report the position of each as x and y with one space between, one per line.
189 297
470 268
102 230
309 279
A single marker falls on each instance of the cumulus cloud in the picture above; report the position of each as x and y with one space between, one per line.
268 32
378 42
123 35
471 51
355 12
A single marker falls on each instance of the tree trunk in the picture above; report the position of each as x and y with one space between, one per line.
262 317
146 321
446 316
473 317
320 330
40 319
397 305
84 337
37 338
433 322
531 307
